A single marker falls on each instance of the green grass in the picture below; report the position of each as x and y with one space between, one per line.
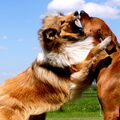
87 108
75 115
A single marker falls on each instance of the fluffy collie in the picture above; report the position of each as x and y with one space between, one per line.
62 70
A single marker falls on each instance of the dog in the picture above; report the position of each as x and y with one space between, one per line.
62 70
107 67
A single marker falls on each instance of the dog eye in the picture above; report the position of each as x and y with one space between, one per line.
62 22
90 18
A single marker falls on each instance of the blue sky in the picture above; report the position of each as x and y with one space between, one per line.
21 20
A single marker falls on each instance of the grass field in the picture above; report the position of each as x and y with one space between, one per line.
75 116
87 108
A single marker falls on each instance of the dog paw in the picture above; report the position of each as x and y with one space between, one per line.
105 43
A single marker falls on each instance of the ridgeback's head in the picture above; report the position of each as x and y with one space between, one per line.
93 26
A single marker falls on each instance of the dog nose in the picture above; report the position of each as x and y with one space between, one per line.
82 12
76 13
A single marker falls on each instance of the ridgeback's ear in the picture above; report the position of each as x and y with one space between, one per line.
99 33
103 35
112 46
50 34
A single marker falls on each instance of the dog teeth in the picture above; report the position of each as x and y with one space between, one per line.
78 23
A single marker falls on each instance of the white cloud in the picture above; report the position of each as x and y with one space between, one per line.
35 48
65 5
3 47
4 37
113 2
116 2
104 9
9 74
32 39
20 40
100 10
6 75
28 21
42 16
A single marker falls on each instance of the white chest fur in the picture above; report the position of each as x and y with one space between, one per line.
72 54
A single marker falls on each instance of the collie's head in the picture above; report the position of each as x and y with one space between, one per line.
59 30
63 43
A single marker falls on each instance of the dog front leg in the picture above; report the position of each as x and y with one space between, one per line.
85 66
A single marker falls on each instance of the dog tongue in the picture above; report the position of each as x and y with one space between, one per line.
79 17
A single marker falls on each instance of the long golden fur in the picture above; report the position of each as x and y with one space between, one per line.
62 70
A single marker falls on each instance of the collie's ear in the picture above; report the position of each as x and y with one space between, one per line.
50 34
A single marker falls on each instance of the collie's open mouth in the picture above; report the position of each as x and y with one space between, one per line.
77 27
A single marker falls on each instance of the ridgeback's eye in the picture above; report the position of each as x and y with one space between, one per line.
90 18
62 22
